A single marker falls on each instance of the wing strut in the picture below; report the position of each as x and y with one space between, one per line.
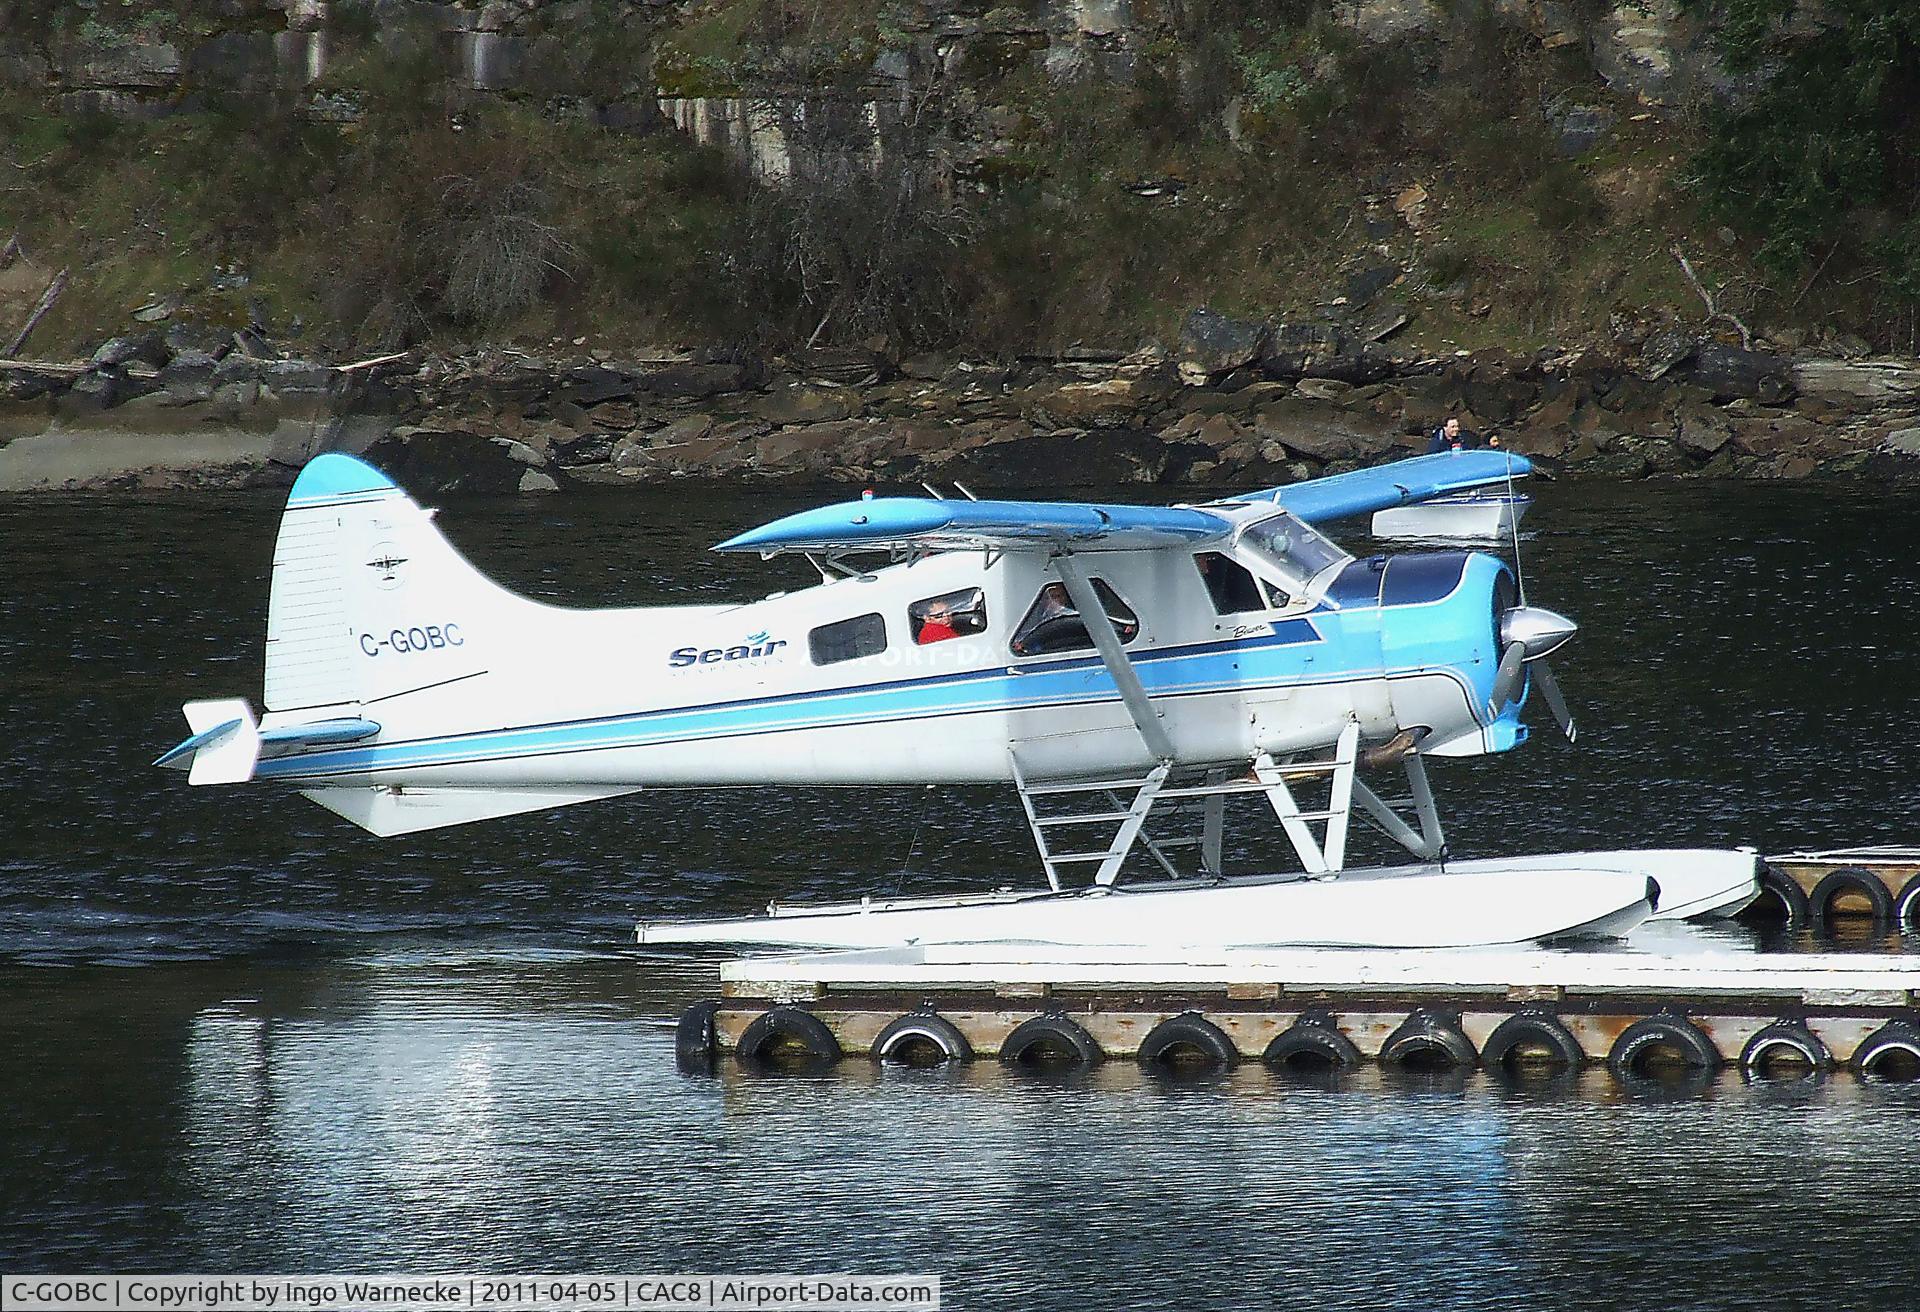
1107 642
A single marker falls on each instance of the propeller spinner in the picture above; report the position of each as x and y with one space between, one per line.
1527 635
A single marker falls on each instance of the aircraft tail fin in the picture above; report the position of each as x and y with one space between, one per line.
369 600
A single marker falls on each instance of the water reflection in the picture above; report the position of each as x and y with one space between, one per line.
420 1120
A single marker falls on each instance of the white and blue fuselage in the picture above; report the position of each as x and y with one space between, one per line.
394 666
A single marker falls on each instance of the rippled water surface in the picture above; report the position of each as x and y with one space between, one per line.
238 1034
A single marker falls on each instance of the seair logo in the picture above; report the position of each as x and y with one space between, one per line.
756 646
421 637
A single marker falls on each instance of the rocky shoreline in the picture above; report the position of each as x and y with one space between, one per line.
1234 404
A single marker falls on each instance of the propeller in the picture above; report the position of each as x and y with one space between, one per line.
1528 635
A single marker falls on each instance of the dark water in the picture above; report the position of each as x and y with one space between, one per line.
238 1034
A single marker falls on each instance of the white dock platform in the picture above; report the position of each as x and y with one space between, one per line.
1672 995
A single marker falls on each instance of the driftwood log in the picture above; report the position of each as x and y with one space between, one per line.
47 298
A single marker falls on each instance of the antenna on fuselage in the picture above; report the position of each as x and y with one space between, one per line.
965 491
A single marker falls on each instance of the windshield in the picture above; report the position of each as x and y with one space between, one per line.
1292 550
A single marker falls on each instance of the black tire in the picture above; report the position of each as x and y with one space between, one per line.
1050 1040
910 1040
694 1042
1312 1044
1891 1052
1530 1042
1782 902
1860 883
1790 1038
1635 1054
1189 1041
1906 908
787 1039
1428 1042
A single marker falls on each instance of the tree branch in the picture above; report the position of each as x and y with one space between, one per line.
1713 310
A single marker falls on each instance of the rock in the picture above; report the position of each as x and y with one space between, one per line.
591 386
1411 205
289 378
1703 433
1849 383
1902 442
519 451
1296 348
1323 389
848 367
1365 284
586 449
1306 427
1616 464
435 461
159 310
687 428
628 453
1578 128
118 352
1218 432
1665 351
535 481
798 403
1212 343
1382 322
1730 372
1112 403
692 380
1112 455
1660 455
813 448
99 389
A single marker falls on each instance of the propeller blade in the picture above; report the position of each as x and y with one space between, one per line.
1550 690
1506 680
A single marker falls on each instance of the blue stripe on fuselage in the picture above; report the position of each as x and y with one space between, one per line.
1200 667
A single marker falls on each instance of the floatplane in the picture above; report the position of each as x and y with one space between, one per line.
1128 670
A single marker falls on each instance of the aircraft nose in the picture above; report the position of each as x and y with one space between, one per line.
1539 631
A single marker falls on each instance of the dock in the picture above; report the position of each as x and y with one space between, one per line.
1672 1002
1869 890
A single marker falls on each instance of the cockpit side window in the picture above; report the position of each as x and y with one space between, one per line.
1053 623
949 615
1230 584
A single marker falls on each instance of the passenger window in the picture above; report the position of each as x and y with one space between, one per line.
1230 584
949 615
848 640
1053 624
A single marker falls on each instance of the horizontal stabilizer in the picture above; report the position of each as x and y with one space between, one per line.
936 524
223 746
390 811
1402 483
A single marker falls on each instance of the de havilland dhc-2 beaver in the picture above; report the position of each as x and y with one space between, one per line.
1127 669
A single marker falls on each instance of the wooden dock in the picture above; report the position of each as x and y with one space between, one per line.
1868 891
1675 1003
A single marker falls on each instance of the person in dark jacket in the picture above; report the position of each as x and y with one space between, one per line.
1450 436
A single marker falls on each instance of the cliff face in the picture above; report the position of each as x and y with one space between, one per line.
1000 178
600 54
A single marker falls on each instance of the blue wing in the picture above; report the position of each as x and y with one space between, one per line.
935 524
1399 484
941 525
